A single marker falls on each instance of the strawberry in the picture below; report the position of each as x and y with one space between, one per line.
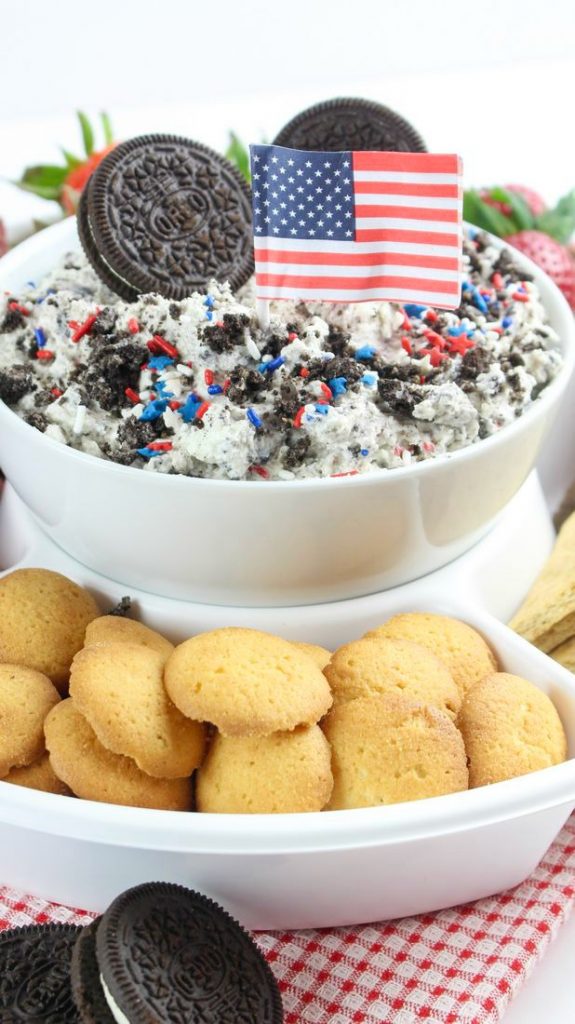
65 183
535 203
3 240
512 214
553 258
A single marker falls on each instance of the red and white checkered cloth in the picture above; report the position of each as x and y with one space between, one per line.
459 966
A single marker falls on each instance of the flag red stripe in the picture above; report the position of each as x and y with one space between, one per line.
356 283
408 212
402 188
411 163
368 259
398 235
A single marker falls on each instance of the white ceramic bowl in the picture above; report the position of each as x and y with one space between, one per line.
278 543
308 870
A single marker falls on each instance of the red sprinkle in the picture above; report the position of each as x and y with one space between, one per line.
431 315
160 446
174 404
304 372
18 308
158 344
497 281
428 446
299 416
292 336
520 297
406 345
226 384
56 392
81 329
133 327
352 472
219 323
326 390
44 353
436 357
260 470
459 346
398 450
422 380
209 377
202 410
132 395
406 322
435 339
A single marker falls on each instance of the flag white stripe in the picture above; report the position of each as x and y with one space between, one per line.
424 202
337 295
318 245
404 224
389 270
407 177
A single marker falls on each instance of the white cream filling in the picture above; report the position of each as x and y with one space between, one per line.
114 1008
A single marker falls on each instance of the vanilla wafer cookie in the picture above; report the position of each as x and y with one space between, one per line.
547 616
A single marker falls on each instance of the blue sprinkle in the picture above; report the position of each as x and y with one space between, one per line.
507 321
190 407
253 418
365 451
338 386
471 332
160 362
209 314
369 379
365 352
322 409
472 233
208 301
40 337
154 409
479 301
456 331
215 389
31 284
149 453
271 365
412 309
161 386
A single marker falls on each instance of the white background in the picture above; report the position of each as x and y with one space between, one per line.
493 81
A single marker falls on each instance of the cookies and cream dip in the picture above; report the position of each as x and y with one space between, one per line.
195 387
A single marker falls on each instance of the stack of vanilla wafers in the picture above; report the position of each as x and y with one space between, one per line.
547 616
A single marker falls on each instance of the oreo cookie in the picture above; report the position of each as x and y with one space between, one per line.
162 952
35 975
165 214
350 124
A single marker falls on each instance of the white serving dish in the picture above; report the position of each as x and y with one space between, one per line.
308 870
278 543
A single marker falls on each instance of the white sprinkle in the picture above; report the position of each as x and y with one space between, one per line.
80 418
186 371
252 347
171 419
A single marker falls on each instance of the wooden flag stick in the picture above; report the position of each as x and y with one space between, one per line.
263 313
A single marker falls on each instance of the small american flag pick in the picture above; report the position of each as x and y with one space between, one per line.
357 226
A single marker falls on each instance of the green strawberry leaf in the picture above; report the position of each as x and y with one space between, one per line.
107 126
43 191
87 133
71 161
44 176
238 155
521 214
478 212
560 222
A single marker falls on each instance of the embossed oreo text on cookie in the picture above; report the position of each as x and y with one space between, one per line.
165 214
35 975
350 124
168 953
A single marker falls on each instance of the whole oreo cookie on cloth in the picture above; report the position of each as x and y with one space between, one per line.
350 124
165 214
35 974
166 953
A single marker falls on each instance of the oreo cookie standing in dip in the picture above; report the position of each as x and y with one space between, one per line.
350 124
35 975
166 953
165 214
